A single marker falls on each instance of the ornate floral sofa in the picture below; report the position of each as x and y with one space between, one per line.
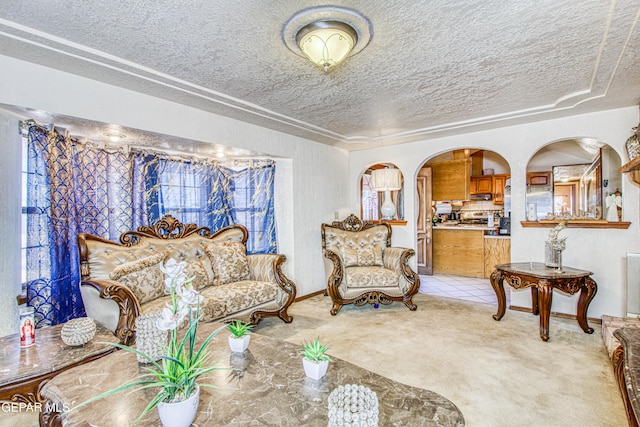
364 266
123 280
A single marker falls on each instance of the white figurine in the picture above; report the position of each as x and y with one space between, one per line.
613 201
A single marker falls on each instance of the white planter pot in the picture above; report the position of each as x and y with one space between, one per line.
239 345
180 414
315 370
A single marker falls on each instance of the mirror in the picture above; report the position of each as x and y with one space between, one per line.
583 173
567 189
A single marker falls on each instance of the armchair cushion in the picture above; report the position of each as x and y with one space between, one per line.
143 277
369 277
229 260
361 256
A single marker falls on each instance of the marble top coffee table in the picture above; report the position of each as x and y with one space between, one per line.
23 371
268 387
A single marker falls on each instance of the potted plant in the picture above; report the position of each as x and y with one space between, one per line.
176 374
315 361
240 337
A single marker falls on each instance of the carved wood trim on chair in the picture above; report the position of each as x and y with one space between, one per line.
287 286
354 224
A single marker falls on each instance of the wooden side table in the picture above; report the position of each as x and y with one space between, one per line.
542 280
24 371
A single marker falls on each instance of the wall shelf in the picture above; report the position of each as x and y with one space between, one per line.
622 225
633 169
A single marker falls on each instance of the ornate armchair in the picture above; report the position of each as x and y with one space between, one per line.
365 268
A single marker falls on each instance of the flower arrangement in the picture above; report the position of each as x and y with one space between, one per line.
177 372
554 240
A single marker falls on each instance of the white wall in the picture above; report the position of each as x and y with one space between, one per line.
311 178
601 251
10 208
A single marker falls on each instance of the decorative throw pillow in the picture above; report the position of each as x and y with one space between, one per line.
229 260
143 277
198 273
361 257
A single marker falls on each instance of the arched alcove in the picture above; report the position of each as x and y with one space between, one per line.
372 198
574 179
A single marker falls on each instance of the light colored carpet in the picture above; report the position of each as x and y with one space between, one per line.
497 373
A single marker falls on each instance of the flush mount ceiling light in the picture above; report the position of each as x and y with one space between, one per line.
327 35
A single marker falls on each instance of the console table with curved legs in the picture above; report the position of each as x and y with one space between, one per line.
543 280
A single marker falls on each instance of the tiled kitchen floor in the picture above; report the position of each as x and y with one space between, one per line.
458 287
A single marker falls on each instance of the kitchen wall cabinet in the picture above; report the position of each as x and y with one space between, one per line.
481 184
450 179
539 178
498 188
497 250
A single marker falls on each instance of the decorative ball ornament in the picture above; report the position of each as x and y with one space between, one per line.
78 331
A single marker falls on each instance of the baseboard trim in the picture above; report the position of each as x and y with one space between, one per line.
304 297
556 314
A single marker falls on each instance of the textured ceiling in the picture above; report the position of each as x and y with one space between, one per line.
430 69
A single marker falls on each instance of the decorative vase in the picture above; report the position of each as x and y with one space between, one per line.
553 255
180 414
150 340
239 345
633 145
315 370
353 405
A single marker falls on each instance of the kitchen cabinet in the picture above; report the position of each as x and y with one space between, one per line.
458 252
539 178
497 250
481 184
498 188
450 179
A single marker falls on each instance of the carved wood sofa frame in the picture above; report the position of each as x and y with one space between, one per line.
169 228
371 296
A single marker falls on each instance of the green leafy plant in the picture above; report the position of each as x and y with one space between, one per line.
177 372
239 329
315 351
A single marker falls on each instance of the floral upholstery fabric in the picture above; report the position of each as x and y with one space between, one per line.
261 267
224 300
367 277
199 274
361 256
348 244
229 260
143 277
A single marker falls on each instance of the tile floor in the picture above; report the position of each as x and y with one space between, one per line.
459 287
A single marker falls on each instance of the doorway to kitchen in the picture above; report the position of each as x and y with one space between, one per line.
460 287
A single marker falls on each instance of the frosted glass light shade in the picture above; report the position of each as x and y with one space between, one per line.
386 179
326 43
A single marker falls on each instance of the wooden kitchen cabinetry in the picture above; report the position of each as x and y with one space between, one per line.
498 188
497 250
458 252
450 179
539 178
481 184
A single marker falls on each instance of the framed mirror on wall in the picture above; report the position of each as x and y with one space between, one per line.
584 184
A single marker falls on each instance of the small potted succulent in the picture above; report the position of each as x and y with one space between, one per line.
315 361
239 338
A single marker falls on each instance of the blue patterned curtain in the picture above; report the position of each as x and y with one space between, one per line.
251 204
73 188
52 273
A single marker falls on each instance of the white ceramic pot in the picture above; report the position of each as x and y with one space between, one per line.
180 414
315 370
239 345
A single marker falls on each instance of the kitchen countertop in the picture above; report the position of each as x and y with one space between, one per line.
445 226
